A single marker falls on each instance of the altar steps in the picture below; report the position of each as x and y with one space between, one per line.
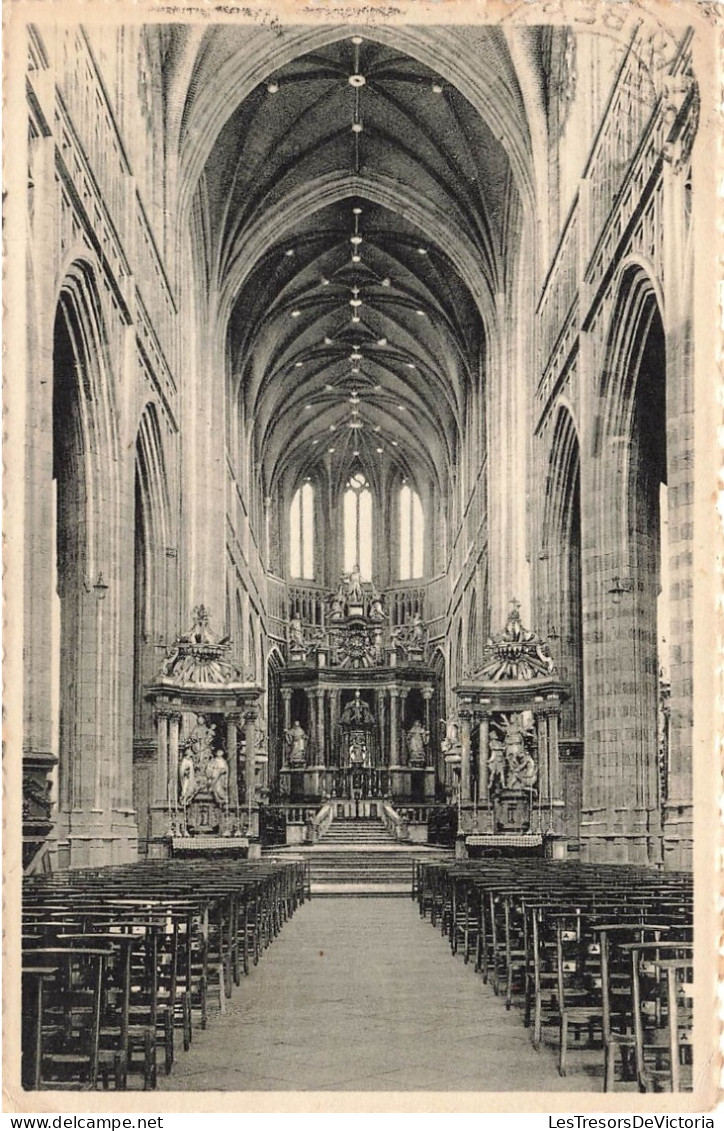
357 832
360 858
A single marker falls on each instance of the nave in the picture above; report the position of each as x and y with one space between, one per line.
588 966
360 995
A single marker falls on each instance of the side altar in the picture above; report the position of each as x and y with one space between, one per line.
504 745
211 746
357 699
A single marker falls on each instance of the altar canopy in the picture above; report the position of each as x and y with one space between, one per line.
508 715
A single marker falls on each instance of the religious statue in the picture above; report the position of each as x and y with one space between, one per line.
200 631
296 633
336 607
217 773
296 738
522 770
451 743
417 738
417 632
357 753
496 765
200 741
377 612
357 712
187 780
354 587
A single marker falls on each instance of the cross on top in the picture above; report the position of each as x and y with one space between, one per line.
515 607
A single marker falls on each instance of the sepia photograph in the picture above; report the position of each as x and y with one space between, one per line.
361 542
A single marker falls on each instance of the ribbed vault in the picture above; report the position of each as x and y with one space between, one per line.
360 214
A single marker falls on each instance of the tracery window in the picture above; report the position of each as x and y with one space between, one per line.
301 533
357 510
411 534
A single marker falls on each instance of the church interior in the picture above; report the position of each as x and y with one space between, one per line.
359 522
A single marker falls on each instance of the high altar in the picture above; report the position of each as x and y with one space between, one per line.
356 697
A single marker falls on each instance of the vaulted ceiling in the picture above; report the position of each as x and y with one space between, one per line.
358 210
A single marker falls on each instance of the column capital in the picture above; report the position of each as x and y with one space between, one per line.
428 692
251 714
286 693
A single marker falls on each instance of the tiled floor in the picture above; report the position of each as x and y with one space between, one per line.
362 995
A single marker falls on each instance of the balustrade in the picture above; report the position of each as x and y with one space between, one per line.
308 603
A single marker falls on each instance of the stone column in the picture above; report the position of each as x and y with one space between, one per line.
465 757
321 743
250 718
402 757
162 791
544 783
380 705
287 706
483 755
394 739
232 753
554 783
427 694
174 724
311 726
333 727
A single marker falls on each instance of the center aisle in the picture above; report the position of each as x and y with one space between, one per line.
363 995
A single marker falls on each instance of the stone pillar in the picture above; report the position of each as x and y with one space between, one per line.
554 782
545 794
483 737
174 725
250 718
394 738
465 757
232 753
380 704
311 727
287 706
427 694
402 755
321 741
162 791
333 727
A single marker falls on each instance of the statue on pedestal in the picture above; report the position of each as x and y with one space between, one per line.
417 738
296 738
522 772
496 765
296 634
188 787
217 774
451 743
354 587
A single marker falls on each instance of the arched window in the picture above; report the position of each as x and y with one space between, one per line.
358 526
411 534
301 533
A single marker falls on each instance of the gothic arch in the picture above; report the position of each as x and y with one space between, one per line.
562 574
623 568
154 581
86 532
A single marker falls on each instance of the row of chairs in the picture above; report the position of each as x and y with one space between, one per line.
601 952
120 963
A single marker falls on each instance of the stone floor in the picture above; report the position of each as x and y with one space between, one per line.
363 995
